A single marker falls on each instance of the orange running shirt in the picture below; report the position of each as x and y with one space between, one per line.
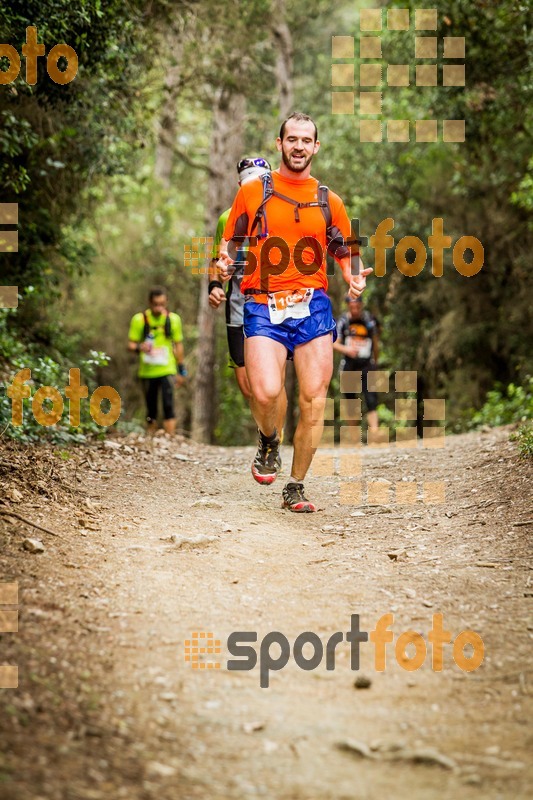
260 269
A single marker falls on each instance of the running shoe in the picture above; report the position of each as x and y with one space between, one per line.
267 461
295 500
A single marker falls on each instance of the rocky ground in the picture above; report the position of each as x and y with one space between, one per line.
149 541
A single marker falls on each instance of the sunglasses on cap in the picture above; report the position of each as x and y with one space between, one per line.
247 163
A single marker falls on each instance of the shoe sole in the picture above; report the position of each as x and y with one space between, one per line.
264 480
309 508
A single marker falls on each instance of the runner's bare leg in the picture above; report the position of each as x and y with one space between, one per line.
282 405
314 367
265 366
242 382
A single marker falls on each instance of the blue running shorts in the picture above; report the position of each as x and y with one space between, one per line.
291 332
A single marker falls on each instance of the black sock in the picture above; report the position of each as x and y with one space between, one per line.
271 438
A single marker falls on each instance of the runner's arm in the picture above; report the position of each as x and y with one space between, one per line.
356 283
225 262
344 349
216 291
135 335
137 347
343 242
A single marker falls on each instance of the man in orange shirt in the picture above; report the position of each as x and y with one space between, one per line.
286 228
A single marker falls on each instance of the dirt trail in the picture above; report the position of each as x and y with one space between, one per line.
107 707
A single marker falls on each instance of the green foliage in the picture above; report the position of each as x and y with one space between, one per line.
505 405
524 439
54 140
236 425
460 334
45 371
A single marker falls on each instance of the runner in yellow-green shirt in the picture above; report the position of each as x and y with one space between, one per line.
156 335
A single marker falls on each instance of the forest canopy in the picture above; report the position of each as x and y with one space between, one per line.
116 172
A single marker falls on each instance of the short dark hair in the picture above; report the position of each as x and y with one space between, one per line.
297 116
156 291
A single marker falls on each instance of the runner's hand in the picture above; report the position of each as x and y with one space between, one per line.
179 380
225 266
358 282
352 351
216 297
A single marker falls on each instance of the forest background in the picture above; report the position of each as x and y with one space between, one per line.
116 173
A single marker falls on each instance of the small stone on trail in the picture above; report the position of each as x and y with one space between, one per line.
199 539
206 502
156 770
33 545
396 555
251 727
362 682
353 746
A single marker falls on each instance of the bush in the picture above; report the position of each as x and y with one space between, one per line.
505 405
45 371
524 437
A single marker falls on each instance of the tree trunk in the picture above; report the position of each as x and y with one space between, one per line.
284 52
225 151
167 123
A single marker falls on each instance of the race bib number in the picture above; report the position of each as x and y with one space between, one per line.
362 347
158 356
290 303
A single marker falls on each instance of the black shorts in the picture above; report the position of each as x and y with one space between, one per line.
235 345
152 388
371 398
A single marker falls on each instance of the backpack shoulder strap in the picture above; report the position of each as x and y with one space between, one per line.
269 191
146 324
168 326
323 201
260 220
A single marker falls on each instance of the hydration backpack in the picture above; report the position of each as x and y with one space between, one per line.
148 327
336 244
